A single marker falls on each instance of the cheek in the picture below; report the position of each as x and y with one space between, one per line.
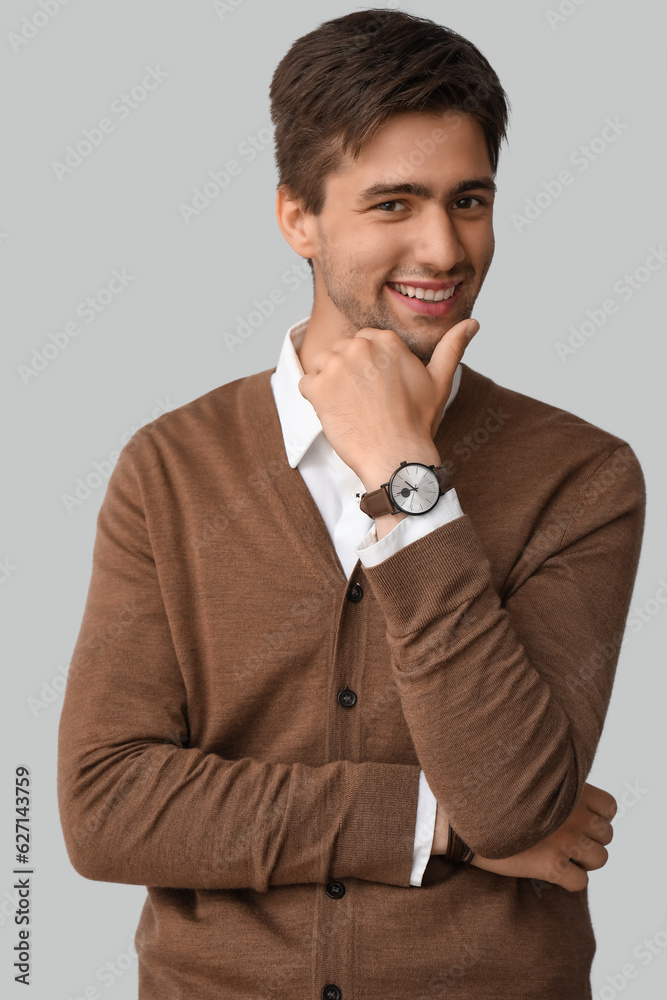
384 249
482 244
370 256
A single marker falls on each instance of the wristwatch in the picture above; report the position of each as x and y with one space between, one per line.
414 488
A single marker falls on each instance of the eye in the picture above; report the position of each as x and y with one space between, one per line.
388 203
480 201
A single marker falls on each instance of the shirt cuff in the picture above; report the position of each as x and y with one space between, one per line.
413 526
424 830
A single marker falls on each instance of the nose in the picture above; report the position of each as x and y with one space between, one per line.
436 242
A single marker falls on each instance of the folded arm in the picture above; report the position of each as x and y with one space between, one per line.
139 805
506 698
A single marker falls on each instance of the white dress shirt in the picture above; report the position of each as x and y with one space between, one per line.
333 486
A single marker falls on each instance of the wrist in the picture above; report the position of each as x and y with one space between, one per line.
386 523
379 472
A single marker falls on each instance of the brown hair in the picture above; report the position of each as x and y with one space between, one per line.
338 85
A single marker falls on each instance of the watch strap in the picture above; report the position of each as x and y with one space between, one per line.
378 502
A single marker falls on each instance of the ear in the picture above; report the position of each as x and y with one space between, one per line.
295 224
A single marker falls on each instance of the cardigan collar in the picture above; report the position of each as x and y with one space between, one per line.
277 454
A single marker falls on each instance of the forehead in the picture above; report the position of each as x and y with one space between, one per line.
441 149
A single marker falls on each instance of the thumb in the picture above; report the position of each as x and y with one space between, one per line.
449 352
444 360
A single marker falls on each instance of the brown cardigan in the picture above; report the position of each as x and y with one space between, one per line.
205 751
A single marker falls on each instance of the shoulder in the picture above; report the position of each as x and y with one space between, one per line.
202 426
534 428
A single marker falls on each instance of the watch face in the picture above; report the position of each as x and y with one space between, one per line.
414 488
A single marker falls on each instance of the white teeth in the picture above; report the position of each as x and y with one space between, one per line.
428 294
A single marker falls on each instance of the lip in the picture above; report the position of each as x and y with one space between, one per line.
428 308
435 285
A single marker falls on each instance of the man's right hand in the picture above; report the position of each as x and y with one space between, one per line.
581 839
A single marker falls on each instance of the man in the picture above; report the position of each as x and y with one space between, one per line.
353 621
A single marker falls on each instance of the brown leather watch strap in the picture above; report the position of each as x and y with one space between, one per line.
378 502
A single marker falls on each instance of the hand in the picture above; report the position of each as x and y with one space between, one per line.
377 402
581 839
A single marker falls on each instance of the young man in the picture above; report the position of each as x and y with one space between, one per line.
353 621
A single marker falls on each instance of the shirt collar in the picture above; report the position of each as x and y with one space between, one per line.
298 419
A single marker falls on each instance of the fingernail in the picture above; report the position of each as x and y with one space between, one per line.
472 328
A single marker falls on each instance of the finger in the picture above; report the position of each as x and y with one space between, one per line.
590 856
599 828
320 361
574 879
600 801
370 332
341 345
568 875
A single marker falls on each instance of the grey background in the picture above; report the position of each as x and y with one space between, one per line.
161 342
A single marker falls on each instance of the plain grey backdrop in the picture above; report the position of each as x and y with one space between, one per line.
124 198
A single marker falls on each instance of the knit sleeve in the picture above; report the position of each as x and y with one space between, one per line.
138 805
505 698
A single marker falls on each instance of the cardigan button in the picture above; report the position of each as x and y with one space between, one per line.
331 992
355 592
336 890
346 698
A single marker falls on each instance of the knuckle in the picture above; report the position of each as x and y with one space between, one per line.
599 824
389 339
579 880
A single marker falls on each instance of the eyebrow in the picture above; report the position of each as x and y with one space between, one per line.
422 190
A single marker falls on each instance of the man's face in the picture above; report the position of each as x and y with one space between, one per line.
441 231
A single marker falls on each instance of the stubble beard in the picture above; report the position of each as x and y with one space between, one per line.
381 316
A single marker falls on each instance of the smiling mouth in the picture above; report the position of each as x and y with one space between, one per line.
424 294
415 299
